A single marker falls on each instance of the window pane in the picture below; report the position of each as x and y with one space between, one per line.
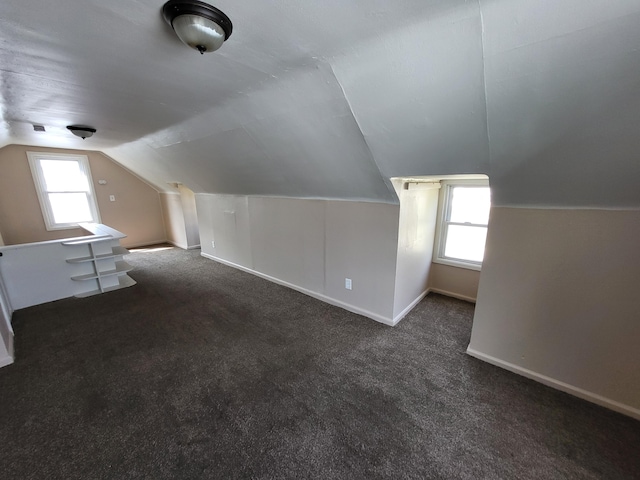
70 207
470 204
465 243
63 175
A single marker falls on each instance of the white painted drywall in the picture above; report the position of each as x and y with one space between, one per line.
532 93
418 95
416 233
173 216
558 301
310 245
361 244
283 138
288 240
190 215
224 219
563 102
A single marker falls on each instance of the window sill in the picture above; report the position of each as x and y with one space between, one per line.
53 228
458 263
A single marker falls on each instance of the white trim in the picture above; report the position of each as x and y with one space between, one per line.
410 307
453 294
40 185
457 263
319 296
558 385
312 199
183 247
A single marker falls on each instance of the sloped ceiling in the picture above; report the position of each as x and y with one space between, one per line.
330 99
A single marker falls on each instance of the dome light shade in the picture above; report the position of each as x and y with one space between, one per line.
199 25
81 131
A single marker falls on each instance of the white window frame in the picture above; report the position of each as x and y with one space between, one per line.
444 210
41 188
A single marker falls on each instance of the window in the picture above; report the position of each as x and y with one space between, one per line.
65 191
462 223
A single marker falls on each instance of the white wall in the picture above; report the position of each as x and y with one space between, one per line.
361 244
190 216
309 245
288 240
416 233
558 301
224 219
174 219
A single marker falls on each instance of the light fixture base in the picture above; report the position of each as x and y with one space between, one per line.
81 131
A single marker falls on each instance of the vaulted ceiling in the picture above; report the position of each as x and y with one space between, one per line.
329 99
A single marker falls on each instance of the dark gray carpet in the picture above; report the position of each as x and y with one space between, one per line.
203 371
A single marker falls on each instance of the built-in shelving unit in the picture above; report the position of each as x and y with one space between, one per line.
103 269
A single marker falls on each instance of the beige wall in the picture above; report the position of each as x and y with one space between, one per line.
136 211
558 301
454 281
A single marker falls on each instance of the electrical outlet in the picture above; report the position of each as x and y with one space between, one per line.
112 198
347 283
213 244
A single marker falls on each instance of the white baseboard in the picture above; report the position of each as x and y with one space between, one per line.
453 294
410 307
558 385
183 247
319 296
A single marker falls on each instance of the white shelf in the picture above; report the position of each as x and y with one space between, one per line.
91 239
117 252
121 267
105 265
124 281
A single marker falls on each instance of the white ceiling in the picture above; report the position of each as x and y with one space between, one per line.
330 99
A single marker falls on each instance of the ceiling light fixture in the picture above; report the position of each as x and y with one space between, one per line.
197 24
81 131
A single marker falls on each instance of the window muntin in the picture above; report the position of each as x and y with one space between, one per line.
463 222
65 191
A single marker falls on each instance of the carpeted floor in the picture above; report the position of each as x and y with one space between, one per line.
203 371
